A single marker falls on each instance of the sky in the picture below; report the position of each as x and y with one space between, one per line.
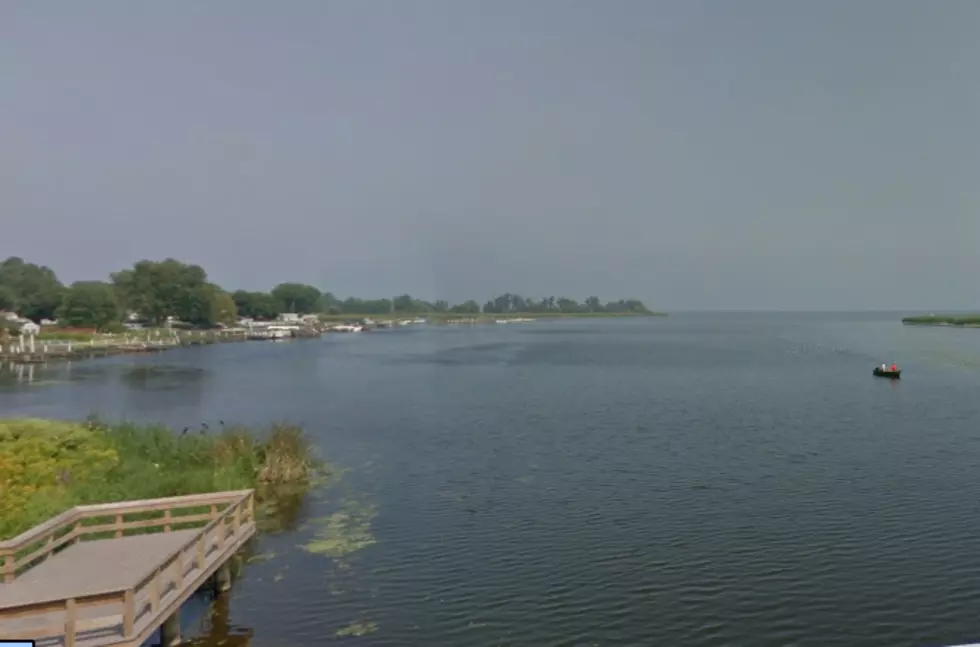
696 154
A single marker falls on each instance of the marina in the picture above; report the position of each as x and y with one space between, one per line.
27 348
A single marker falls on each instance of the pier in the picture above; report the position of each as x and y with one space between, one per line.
113 574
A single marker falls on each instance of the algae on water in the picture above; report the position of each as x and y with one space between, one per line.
359 627
344 532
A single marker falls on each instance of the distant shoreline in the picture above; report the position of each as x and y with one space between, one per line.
959 321
488 316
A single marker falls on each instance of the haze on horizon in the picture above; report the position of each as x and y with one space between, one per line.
765 154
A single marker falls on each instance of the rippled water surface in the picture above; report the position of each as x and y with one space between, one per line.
697 480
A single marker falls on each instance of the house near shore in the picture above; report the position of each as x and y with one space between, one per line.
24 325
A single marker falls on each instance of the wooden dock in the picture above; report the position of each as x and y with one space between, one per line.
113 574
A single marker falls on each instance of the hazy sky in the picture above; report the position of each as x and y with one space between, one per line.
695 154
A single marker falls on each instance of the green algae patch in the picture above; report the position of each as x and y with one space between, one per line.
344 532
357 628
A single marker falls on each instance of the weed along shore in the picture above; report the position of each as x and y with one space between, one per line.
49 466
959 321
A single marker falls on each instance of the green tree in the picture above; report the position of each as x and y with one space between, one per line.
8 329
257 305
223 308
90 304
567 305
407 304
36 290
160 289
8 300
329 302
469 307
296 297
353 305
626 306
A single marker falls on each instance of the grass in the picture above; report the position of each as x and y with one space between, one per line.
136 336
48 466
50 334
948 320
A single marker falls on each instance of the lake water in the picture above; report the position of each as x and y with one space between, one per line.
699 480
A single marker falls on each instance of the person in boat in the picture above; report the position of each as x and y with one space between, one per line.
883 367
894 368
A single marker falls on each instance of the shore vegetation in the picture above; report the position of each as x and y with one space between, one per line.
154 292
49 466
967 320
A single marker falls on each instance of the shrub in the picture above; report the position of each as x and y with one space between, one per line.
47 466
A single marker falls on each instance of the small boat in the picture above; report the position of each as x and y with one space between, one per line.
894 375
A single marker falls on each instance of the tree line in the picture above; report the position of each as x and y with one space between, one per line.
156 290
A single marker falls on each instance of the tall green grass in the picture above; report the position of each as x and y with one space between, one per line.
48 466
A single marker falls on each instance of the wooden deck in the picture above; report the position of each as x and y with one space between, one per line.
112 574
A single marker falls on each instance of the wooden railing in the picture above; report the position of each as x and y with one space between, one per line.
225 514
114 520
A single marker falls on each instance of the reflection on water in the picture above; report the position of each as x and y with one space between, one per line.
282 511
14 375
161 377
11 373
217 630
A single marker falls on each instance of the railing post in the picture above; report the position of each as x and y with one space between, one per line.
251 506
119 525
222 529
179 565
236 523
9 566
129 613
155 592
200 551
70 617
167 520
